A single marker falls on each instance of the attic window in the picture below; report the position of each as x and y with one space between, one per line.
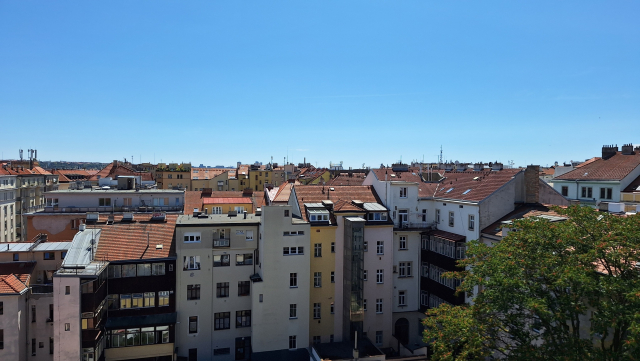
467 191
159 246
476 178
449 190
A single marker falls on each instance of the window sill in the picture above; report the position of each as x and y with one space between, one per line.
293 318
293 286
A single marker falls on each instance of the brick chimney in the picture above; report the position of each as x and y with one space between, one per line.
609 151
532 184
627 149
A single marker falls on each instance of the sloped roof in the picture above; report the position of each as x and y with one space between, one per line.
633 187
15 276
522 211
341 196
128 240
346 179
192 199
615 168
112 170
234 200
473 186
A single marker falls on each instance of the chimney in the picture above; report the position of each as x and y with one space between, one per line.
532 184
478 167
627 149
609 151
497 166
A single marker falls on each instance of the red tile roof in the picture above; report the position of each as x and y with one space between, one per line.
15 276
344 179
615 168
341 196
192 200
119 169
128 240
471 185
236 200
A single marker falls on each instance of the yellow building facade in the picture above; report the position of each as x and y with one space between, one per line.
323 292
225 205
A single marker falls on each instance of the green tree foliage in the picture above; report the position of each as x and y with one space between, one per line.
565 290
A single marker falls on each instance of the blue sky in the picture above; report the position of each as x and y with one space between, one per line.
217 82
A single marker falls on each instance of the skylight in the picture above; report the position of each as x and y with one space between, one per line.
449 190
467 191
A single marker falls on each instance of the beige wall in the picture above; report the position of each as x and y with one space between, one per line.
67 344
14 324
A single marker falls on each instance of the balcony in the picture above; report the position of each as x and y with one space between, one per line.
41 289
218 243
110 209
397 225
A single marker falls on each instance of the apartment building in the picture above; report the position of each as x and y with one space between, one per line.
8 216
26 298
213 285
352 237
282 282
211 178
602 179
174 176
115 291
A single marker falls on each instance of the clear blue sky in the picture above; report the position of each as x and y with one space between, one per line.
217 82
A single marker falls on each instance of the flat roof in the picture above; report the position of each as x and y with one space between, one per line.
113 190
11 247
217 219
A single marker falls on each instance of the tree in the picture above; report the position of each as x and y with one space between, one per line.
564 290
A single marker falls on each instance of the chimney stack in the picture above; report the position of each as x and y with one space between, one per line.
627 149
609 151
532 184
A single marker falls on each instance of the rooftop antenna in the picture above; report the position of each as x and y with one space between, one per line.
440 159
21 154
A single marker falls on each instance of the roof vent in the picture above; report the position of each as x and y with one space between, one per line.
159 246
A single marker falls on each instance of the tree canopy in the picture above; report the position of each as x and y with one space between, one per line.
564 290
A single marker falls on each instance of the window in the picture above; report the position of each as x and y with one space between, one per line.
317 279
63 254
193 324
472 222
425 269
293 233
404 269
193 352
317 250
67 327
286 213
192 237
244 259
380 276
136 300
163 298
293 311
293 280
239 209
403 242
249 236
49 255
144 269
292 342
16 257
33 347
222 351
104 202
243 318
333 277
1 308
50 345
565 191
244 288
365 246
33 313
364 275
149 299
222 321
128 270
193 292
222 289
316 340
221 260
378 305
333 247
587 192
402 298
114 271
379 338
216 210
606 193
424 298
113 302
435 273
437 216
157 269
403 192
67 290
447 248
290 251
380 247
451 219
364 304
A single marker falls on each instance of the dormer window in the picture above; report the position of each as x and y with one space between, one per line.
377 216
316 212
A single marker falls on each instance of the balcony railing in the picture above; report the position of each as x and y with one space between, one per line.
407 225
220 243
41 289
141 209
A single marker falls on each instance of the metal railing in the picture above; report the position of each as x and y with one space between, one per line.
221 243
407 224
109 209
41 289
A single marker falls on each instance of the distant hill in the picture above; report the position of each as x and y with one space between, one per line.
49 164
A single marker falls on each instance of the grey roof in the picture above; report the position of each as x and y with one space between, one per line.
83 248
355 219
42 247
314 205
374 207
112 190
213 219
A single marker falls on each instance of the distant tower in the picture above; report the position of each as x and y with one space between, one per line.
440 159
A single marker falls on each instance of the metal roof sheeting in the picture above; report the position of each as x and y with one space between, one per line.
374 207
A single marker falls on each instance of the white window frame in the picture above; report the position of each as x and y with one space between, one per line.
380 276
192 262
402 298
293 280
402 243
378 305
472 222
452 218
403 192
317 279
216 210
380 247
